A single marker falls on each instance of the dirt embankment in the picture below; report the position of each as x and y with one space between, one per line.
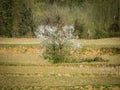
18 50
84 51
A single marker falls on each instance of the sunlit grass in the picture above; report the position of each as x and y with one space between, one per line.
108 42
21 67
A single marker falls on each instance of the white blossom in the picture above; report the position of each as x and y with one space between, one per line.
51 34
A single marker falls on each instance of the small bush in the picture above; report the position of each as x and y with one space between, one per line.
56 42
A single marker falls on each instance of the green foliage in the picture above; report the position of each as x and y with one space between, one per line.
6 18
79 28
19 18
114 34
101 34
56 53
16 18
26 25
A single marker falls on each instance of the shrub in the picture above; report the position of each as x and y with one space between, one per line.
55 33
56 42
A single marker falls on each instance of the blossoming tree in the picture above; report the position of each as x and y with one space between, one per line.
55 34
56 40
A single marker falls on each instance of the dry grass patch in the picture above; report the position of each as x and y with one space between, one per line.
19 41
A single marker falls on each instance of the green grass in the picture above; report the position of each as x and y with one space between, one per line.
85 45
18 45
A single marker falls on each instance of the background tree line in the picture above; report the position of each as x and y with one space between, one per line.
16 18
20 18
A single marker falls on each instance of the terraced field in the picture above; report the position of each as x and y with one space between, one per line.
21 67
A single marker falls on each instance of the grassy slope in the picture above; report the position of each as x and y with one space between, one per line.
28 71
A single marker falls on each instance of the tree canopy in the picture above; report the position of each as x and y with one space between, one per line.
20 18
